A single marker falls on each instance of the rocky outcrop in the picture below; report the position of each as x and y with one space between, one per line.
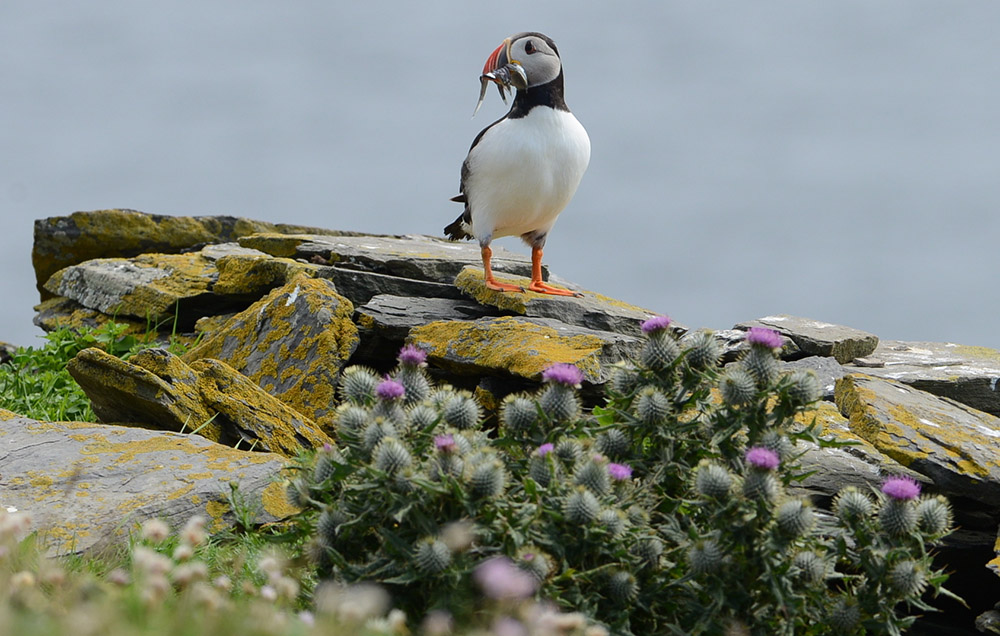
87 486
280 312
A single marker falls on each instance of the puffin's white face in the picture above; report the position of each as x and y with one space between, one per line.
539 60
533 52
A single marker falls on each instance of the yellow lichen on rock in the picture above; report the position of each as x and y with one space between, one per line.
520 347
246 274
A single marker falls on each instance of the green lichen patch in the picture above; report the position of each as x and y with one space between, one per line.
278 245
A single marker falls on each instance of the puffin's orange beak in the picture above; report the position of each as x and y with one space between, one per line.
498 58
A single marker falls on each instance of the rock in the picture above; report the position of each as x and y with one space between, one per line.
87 486
955 446
966 374
154 287
292 343
63 241
360 286
592 311
58 312
385 322
125 392
417 257
521 347
253 275
819 338
260 421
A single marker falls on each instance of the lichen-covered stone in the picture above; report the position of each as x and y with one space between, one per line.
125 392
416 257
969 375
87 486
292 343
154 287
361 286
385 321
253 275
58 313
819 338
592 310
955 446
82 236
256 419
521 347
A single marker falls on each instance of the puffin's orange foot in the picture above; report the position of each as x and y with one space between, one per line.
545 288
503 287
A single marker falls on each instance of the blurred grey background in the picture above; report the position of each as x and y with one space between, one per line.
836 160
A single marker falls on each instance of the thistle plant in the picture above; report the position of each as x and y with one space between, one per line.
674 498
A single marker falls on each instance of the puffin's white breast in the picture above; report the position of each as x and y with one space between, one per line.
524 171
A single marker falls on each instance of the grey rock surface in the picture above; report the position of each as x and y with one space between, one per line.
817 338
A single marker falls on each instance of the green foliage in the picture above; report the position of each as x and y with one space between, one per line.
672 499
35 383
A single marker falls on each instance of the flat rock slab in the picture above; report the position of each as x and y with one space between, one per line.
148 286
87 486
592 311
955 446
417 257
522 347
817 338
360 286
62 241
292 343
969 375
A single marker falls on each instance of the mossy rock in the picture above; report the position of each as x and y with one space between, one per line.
292 343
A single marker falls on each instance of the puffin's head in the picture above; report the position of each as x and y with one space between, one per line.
535 53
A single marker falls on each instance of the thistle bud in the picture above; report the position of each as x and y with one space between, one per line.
352 419
593 475
934 516
518 413
581 506
375 432
623 588
534 562
391 456
762 366
651 406
811 567
908 579
704 556
327 524
357 385
703 351
614 521
487 479
898 517
712 481
613 442
431 555
737 386
461 411
559 402
851 505
803 387
648 550
422 416
845 616
568 450
794 517
660 351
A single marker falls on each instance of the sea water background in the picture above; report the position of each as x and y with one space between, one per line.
836 160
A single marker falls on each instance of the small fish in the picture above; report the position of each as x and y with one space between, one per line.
511 75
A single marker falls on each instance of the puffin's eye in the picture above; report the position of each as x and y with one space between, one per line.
529 47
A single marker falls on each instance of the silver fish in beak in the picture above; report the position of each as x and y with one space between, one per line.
507 74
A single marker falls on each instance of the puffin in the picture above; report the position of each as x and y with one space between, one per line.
523 169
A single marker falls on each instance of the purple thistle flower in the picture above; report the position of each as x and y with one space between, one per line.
656 323
501 579
901 488
764 337
389 389
412 356
620 472
762 458
563 373
545 449
445 443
